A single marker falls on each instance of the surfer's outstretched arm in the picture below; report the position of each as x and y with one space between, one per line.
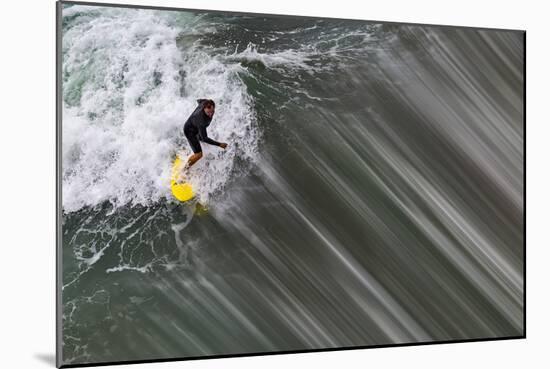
203 136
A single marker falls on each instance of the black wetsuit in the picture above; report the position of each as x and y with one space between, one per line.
195 128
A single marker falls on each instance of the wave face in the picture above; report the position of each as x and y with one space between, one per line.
371 194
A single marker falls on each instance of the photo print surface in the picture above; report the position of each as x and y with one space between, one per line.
246 184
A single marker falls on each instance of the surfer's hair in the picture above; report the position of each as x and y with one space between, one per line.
208 103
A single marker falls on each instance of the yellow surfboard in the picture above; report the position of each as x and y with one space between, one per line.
181 190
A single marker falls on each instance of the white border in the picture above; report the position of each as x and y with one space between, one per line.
27 145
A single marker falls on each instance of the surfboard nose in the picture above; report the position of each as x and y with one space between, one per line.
182 191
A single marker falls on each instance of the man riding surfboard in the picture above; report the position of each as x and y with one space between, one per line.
195 129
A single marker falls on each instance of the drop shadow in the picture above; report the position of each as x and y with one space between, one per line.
46 358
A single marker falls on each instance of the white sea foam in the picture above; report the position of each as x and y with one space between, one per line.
125 103
284 60
337 43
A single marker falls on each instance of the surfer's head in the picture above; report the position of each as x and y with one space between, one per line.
209 108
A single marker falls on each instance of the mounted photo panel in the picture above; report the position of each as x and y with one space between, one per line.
238 184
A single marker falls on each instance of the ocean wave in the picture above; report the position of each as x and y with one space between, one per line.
282 60
128 88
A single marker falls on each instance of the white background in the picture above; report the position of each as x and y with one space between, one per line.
27 185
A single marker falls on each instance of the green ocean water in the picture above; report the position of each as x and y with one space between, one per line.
371 194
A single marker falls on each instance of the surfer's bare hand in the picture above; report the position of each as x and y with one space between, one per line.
223 145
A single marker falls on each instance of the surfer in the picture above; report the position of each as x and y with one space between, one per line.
195 129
